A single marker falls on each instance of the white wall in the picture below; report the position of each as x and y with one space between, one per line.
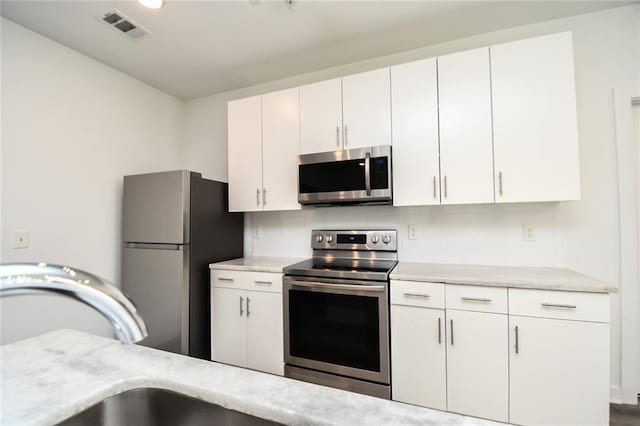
582 235
71 128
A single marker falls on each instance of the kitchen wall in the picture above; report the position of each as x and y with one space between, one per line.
589 236
71 128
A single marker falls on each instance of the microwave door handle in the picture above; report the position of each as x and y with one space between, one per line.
367 172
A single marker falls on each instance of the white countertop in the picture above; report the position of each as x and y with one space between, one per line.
501 276
257 264
48 378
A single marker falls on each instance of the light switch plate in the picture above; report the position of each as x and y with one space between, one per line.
21 240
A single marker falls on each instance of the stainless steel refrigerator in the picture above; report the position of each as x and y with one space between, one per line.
174 225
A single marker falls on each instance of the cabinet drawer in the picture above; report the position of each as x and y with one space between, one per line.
264 281
559 304
477 298
247 280
414 293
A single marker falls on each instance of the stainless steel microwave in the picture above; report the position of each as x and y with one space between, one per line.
354 176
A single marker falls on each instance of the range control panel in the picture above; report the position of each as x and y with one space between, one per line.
379 239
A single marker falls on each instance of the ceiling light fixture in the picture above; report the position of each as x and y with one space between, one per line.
152 4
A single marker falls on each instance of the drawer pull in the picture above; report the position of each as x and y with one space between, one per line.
263 282
226 279
475 299
556 305
424 296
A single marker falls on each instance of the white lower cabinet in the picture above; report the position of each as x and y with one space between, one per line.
246 324
478 364
418 361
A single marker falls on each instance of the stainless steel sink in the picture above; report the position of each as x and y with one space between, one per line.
158 407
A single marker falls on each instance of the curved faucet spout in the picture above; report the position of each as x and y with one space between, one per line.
29 278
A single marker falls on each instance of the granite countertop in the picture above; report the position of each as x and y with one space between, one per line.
501 276
257 264
48 378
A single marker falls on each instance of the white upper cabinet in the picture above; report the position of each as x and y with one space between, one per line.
245 154
321 116
414 105
280 146
466 146
366 107
534 119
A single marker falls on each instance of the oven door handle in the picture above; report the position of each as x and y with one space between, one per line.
320 285
367 173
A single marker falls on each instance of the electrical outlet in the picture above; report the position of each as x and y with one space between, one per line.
413 232
528 233
257 232
21 240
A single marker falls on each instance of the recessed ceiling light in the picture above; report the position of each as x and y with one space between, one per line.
152 4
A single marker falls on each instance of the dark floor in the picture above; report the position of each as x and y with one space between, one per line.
624 414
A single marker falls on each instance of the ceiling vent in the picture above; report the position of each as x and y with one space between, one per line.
124 25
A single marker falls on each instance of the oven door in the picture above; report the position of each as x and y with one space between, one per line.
351 176
337 326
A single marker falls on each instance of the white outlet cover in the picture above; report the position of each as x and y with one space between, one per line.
413 232
528 232
257 232
21 240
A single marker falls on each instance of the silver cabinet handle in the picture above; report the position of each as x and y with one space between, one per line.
264 196
263 282
500 183
367 173
445 186
248 311
475 299
423 295
555 305
434 187
517 348
338 135
225 279
346 137
257 196
452 332
439 330
241 311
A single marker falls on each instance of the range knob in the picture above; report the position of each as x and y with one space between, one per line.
386 239
328 238
375 239
319 238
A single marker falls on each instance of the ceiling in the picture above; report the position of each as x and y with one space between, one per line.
199 48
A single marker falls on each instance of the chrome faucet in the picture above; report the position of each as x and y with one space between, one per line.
31 278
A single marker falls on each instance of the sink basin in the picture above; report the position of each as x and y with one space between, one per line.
159 407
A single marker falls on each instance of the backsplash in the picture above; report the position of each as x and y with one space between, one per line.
474 234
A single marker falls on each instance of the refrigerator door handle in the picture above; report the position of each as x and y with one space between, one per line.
172 247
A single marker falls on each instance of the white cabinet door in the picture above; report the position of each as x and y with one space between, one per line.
265 332
228 326
321 116
414 106
418 361
478 364
366 106
280 146
534 120
560 374
466 153
245 154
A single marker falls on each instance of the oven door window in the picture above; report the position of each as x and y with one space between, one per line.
333 176
339 329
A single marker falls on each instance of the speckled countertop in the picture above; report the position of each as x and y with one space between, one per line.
501 276
257 264
48 378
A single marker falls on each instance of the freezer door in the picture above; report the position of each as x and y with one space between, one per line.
156 279
156 208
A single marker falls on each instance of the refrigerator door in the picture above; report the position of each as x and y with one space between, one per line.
156 208
156 279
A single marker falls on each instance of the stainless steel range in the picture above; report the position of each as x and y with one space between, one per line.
336 311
